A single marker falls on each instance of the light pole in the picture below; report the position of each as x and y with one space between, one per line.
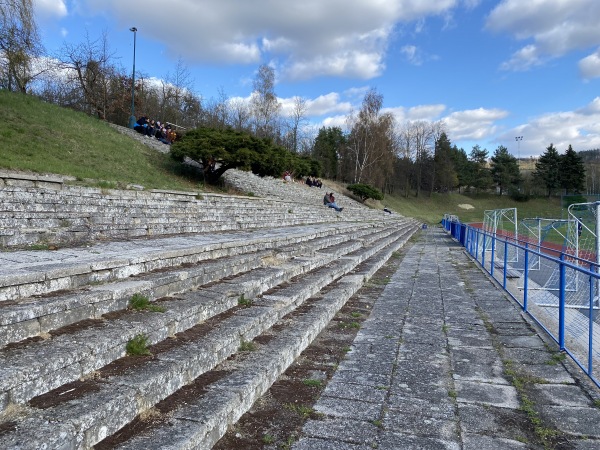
132 117
519 139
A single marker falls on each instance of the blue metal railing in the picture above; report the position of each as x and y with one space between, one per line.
566 311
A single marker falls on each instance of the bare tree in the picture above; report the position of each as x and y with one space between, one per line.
371 141
175 87
19 44
239 114
297 119
263 103
88 67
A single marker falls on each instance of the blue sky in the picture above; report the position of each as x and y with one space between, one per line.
490 70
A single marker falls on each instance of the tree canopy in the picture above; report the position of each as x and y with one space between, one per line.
572 172
505 169
220 150
547 170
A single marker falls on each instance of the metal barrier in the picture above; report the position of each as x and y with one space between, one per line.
567 311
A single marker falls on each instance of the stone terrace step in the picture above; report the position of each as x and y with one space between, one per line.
34 316
82 422
28 273
58 214
75 358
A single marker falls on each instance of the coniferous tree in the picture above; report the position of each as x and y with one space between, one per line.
445 177
547 170
480 177
505 170
572 172
328 145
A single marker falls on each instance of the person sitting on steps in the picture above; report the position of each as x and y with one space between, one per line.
329 200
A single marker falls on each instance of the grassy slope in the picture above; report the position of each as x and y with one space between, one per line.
432 209
44 138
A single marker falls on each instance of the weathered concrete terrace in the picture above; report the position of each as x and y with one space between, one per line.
447 361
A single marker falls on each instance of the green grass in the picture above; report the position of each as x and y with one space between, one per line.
142 303
247 346
138 346
431 209
44 138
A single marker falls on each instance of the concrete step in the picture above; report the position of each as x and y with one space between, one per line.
67 215
71 355
38 315
25 274
117 398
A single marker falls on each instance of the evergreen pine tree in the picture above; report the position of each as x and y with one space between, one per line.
547 170
572 172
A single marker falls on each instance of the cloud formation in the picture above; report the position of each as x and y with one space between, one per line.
342 38
50 9
551 28
579 128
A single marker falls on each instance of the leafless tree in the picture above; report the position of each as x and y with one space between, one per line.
19 44
239 114
297 120
263 103
88 67
371 141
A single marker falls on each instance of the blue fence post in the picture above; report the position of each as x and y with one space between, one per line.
561 303
505 262
483 251
591 318
492 259
526 276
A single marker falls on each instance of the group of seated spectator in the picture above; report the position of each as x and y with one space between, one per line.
154 129
311 181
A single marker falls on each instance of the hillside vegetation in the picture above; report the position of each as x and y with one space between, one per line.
44 138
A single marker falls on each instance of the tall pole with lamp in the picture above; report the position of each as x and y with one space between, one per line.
518 139
132 117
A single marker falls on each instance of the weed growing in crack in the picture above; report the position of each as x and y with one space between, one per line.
138 346
312 383
245 302
268 439
556 358
247 346
301 410
140 302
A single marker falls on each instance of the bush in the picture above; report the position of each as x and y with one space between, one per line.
364 191
518 196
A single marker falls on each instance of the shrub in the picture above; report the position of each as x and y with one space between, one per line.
364 191
138 346
140 302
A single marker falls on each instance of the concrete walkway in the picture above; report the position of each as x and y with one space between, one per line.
447 361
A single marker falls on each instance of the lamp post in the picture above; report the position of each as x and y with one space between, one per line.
132 117
518 139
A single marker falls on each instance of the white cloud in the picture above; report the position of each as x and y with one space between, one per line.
589 67
411 53
50 9
552 27
347 38
579 128
474 124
